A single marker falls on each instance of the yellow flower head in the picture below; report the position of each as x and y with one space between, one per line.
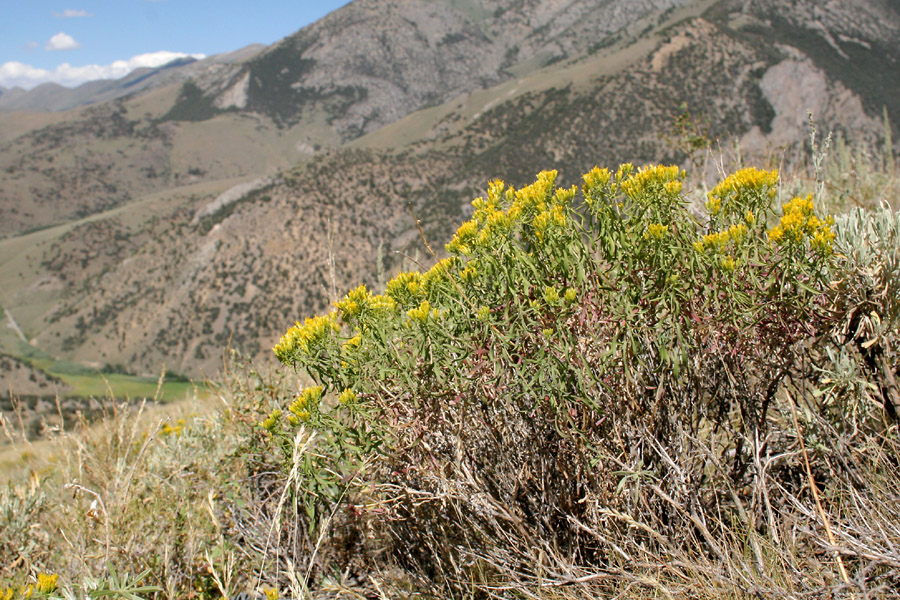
651 180
713 242
469 274
737 233
421 313
306 402
534 198
594 179
464 237
353 303
306 338
749 189
437 274
271 422
46 582
656 231
625 169
800 223
405 288
551 295
352 343
548 220
673 188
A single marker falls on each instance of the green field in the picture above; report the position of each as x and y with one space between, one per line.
89 382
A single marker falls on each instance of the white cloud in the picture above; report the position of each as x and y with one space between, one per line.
71 13
14 74
62 41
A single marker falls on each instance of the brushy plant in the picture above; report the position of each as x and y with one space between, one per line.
585 382
142 505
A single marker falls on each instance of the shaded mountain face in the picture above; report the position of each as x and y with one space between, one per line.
182 270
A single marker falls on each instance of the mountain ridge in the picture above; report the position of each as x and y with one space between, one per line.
56 97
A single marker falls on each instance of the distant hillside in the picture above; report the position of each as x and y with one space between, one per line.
135 268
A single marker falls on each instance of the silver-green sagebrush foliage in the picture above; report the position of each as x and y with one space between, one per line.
590 379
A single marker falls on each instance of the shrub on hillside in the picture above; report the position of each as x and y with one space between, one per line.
587 381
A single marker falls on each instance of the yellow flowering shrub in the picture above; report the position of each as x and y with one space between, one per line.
569 323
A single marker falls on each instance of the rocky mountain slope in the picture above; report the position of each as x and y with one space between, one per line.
177 272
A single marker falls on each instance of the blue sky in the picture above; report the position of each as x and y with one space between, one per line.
72 41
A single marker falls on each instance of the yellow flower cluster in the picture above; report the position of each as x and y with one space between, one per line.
651 180
800 222
488 221
352 343
436 275
306 337
483 314
175 430
538 205
625 170
409 288
595 183
570 295
46 583
463 239
348 396
469 273
270 422
656 231
546 219
304 404
718 240
353 303
405 288
420 313
551 295
747 190
359 303
25 591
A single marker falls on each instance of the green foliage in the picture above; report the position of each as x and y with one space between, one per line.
570 357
